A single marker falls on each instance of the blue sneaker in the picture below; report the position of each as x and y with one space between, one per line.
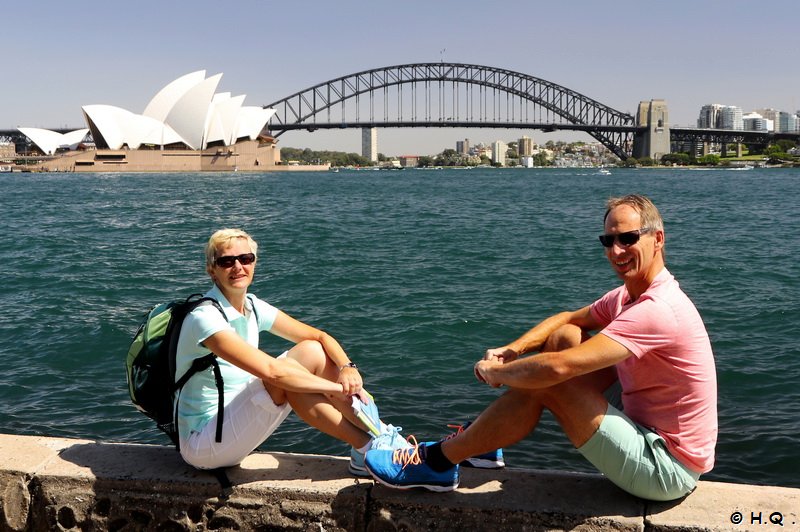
491 460
406 468
356 466
389 439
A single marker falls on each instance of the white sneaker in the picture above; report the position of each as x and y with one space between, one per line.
389 439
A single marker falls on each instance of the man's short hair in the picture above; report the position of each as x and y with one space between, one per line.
647 210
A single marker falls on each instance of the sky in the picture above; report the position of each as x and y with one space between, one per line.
59 56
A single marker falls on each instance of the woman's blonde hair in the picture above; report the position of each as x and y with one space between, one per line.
221 239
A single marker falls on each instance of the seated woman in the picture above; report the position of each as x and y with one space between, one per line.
315 378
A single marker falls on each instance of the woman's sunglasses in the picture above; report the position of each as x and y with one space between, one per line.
625 239
229 260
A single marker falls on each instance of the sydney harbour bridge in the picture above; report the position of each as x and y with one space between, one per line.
456 95
473 96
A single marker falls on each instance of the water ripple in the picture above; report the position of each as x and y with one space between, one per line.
416 273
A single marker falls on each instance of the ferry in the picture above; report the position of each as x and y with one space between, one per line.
5 168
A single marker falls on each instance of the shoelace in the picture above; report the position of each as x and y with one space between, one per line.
408 456
460 429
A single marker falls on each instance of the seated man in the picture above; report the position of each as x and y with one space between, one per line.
638 399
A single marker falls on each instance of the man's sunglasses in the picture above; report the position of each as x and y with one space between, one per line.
229 260
625 239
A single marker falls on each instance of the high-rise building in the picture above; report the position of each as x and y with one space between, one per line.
709 116
525 146
730 117
499 149
369 143
462 147
771 115
787 123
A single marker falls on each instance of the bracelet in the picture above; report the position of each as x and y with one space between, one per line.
348 365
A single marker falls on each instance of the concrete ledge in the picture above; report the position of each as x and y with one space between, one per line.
63 484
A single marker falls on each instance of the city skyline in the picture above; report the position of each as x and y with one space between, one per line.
619 54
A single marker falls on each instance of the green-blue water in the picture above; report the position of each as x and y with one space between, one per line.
415 272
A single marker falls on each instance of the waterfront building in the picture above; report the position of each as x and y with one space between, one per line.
409 161
771 115
787 123
709 116
525 146
186 126
717 116
755 122
499 149
730 117
7 150
369 143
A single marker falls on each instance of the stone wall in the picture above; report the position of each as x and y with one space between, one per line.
66 484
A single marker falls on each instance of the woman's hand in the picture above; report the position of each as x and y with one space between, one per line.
351 381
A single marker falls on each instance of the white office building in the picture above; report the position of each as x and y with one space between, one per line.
369 143
731 118
755 122
499 149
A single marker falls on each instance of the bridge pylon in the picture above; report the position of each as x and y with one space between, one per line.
653 138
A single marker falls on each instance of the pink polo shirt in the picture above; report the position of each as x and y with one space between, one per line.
669 385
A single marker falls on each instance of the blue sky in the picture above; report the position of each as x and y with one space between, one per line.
62 55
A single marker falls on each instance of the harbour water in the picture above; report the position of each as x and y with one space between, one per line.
416 272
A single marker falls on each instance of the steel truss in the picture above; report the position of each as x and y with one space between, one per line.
450 95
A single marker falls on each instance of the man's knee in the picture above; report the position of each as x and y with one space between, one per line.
564 337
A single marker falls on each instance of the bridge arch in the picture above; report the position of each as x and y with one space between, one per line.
450 95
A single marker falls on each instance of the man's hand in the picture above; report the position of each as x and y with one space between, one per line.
500 354
483 372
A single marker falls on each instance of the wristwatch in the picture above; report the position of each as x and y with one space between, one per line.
348 365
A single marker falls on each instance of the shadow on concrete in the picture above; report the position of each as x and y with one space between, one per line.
135 485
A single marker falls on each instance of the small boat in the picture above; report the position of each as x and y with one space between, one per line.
604 171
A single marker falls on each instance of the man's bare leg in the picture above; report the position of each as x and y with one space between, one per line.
578 405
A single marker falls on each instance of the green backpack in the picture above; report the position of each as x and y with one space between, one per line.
150 364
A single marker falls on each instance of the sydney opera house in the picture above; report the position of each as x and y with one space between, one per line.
186 127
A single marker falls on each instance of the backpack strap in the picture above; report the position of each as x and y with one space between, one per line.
253 306
202 364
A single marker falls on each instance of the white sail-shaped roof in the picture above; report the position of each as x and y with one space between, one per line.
222 122
251 121
163 102
120 127
50 141
189 116
186 111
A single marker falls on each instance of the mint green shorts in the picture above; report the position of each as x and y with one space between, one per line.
635 458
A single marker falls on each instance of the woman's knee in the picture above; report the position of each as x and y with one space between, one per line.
310 354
